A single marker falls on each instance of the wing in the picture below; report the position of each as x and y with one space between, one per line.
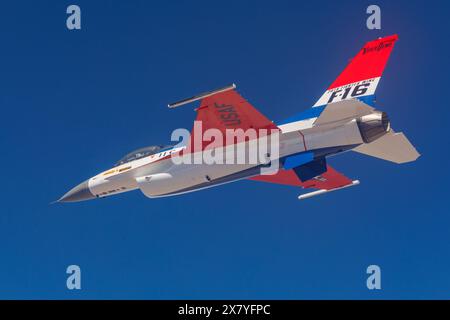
328 181
227 110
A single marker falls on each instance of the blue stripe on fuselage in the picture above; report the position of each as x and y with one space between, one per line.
314 112
369 100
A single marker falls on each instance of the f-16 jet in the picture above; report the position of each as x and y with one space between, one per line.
345 118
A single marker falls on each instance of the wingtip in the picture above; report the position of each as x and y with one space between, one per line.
200 96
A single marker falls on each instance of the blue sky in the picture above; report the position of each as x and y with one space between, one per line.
74 102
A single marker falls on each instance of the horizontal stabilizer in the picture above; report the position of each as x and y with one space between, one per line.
343 111
394 147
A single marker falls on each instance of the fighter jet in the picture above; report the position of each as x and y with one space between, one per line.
345 118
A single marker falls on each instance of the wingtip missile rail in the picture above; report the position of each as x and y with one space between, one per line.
200 96
322 191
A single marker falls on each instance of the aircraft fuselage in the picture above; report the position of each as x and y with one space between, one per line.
157 175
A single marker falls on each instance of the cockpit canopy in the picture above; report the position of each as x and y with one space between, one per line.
141 153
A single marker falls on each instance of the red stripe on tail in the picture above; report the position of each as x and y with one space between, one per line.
368 63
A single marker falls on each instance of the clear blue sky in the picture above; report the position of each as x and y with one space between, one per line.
74 102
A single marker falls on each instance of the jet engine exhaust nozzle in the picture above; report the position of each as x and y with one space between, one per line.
373 126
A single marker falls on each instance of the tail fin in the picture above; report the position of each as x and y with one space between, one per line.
394 147
360 78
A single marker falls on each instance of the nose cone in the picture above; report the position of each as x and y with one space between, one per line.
80 193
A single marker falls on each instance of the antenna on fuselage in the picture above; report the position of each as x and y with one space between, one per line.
201 96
